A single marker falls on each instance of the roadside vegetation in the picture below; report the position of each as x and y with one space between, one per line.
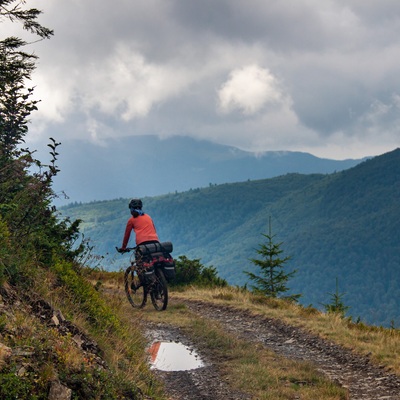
37 352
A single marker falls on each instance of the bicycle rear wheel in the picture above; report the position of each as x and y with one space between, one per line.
135 292
159 291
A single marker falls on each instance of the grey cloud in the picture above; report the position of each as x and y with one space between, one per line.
374 12
334 60
274 24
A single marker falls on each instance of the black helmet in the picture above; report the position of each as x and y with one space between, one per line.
135 204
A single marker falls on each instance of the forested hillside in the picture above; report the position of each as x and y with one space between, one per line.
342 225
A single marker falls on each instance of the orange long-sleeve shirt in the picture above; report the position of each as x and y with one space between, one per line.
144 230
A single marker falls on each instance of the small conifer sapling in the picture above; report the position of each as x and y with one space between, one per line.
272 279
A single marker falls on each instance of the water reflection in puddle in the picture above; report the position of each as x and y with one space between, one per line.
172 356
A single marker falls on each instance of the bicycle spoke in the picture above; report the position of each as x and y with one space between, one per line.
159 292
134 290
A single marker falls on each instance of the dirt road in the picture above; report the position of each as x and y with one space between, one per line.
362 379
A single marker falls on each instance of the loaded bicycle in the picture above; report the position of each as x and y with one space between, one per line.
151 267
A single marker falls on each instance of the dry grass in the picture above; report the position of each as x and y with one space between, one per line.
383 345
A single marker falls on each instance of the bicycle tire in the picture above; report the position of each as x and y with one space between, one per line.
159 291
135 291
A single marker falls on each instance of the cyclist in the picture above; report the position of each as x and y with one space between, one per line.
141 223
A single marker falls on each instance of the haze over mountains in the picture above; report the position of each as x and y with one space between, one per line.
342 225
150 166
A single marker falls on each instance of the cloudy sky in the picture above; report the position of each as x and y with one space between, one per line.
308 75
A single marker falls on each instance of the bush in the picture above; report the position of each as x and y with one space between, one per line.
15 387
192 272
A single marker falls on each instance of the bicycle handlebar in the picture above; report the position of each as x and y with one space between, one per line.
126 250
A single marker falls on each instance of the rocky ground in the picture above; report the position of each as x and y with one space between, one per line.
25 357
356 373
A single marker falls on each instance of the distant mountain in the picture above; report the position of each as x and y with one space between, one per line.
343 225
150 166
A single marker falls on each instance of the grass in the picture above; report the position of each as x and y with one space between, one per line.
381 344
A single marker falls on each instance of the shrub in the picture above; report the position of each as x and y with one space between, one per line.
195 273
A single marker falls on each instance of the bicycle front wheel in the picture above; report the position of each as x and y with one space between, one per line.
135 292
159 291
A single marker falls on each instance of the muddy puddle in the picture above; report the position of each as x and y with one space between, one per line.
173 356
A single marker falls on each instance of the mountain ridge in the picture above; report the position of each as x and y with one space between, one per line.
150 166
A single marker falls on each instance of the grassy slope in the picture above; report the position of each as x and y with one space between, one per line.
49 354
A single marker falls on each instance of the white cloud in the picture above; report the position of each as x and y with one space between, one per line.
124 85
56 100
248 89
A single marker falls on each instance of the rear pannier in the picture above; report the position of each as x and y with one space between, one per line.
158 255
148 273
169 269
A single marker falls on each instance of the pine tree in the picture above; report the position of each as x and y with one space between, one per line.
272 279
336 305
27 217
16 67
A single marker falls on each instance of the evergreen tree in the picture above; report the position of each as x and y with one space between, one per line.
16 67
336 305
27 216
272 279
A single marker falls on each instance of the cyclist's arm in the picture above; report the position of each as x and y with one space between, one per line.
127 234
